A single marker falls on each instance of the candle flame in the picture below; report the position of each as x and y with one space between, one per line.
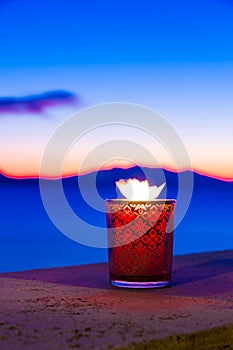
136 190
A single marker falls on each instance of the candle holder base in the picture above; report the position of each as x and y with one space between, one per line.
139 284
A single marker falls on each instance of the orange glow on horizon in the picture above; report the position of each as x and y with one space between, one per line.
34 175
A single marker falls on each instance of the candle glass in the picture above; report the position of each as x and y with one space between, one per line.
140 242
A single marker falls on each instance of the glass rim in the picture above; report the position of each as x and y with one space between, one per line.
125 200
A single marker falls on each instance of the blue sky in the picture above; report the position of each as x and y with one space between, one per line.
42 33
173 56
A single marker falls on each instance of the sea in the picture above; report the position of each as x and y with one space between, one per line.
30 240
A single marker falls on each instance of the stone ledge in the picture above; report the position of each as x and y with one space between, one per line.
75 307
210 339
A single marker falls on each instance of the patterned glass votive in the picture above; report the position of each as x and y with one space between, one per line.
140 240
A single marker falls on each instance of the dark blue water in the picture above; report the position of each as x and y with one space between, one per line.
29 240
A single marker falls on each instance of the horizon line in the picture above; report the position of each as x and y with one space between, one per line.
33 176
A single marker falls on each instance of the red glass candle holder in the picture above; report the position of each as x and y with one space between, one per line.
140 241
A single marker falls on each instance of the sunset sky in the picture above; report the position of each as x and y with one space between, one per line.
58 57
